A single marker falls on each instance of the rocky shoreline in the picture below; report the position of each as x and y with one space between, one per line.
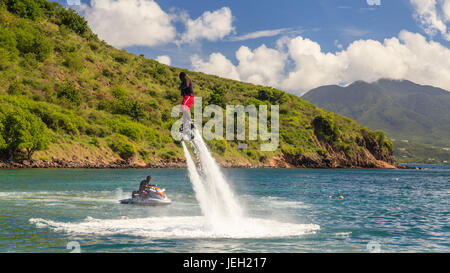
178 164
61 164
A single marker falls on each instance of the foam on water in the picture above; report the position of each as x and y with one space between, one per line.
65 196
178 227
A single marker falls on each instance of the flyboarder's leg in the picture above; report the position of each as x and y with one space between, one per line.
188 101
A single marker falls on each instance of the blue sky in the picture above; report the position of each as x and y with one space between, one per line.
332 24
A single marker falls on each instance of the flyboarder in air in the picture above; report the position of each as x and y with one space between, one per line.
187 92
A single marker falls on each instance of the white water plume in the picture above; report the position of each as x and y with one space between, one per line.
217 200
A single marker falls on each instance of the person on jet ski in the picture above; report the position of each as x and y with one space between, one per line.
144 186
187 92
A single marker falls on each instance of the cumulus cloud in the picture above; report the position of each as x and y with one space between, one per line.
217 64
211 26
409 56
143 23
260 66
434 16
164 59
446 9
130 22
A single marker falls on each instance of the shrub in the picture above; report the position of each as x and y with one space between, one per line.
52 115
97 130
94 46
43 48
120 145
73 61
4 59
292 150
172 95
2 129
121 57
69 93
18 88
166 154
119 92
8 44
127 128
122 105
220 146
72 20
135 110
47 7
30 42
218 97
24 8
271 95
107 73
325 129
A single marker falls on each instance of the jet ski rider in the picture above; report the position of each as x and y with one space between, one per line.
145 186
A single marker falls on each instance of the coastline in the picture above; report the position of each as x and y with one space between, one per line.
121 164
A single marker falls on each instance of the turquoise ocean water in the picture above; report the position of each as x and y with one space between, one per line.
288 210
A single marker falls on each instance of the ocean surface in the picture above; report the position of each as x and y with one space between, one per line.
285 210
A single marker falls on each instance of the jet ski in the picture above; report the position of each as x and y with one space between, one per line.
153 196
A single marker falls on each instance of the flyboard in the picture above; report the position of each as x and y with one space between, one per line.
189 136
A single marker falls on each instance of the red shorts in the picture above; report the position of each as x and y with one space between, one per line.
188 101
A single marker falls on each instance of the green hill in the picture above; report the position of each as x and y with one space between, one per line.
68 99
416 117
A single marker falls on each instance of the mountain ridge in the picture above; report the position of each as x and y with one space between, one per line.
405 110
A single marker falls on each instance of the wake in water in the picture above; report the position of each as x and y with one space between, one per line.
177 227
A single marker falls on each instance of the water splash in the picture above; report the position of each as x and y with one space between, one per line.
215 196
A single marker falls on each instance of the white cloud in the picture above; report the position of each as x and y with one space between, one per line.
354 32
217 64
130 22
409 56
260 66
259 34
164 59
433 16
446 9
211 26
125 23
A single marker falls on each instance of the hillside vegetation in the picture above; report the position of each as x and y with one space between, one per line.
87 101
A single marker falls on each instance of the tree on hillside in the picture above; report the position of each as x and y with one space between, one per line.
23 131
2 127
326 129
24 8
71 19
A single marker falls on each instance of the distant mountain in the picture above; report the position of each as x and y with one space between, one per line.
406 111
